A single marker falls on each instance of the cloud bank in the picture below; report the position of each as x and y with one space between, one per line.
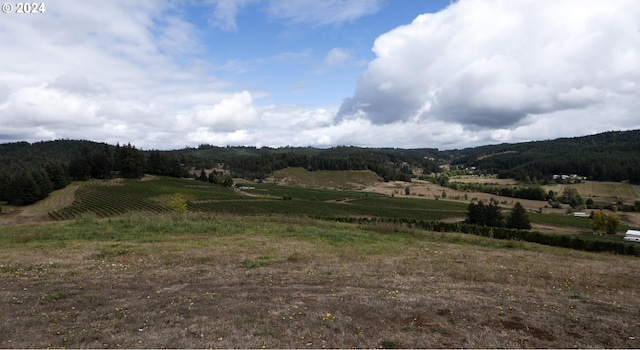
509 66
476 72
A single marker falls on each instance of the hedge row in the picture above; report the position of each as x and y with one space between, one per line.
556 240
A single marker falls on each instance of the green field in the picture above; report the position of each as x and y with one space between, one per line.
109 199
340 179
601 189
113 198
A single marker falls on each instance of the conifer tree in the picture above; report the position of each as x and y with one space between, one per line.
518 218
42 181
58 175
22 189
4 183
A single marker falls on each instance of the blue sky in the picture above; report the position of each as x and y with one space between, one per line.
374 73
291 57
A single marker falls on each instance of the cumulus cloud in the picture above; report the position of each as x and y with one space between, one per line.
503 64
478 72
232 113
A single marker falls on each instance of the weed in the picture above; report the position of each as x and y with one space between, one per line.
53 297
264 332
244 319
436 329
295 257
252 264
112 251
388 344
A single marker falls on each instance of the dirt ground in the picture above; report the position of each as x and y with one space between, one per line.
201 294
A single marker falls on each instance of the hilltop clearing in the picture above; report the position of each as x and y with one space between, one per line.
329 179
218 281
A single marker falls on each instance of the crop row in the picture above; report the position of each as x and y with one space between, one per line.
314 208
104 201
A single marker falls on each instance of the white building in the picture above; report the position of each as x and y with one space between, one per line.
632 236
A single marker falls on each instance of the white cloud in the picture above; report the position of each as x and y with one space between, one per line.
322 13
232 113
337 56
517 66
481 71
226 11
75 82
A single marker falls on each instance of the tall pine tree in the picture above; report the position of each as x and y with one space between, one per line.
518 218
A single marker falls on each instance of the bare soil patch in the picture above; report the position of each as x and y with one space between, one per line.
428 190
253 291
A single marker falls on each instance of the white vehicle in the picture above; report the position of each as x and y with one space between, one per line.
632 236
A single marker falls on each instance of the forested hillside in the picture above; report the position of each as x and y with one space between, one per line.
610 156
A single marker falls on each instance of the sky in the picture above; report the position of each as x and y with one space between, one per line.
163 74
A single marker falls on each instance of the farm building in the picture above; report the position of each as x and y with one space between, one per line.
580 214
632 235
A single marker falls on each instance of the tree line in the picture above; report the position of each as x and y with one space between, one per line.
490 214
388 164
29 185
609 156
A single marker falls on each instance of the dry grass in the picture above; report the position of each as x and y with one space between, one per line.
335 179
38 212
299 283
483 180
608 191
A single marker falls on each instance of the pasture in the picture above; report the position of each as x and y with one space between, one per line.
196 280
626 193
483 180
333 179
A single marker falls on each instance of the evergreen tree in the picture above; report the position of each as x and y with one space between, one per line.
80 165
518 218
129 161
203 176
101 164
44 184
22 189
493 215
484 214
475 213
58 175
4 183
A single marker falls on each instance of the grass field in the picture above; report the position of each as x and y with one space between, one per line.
610 190
218 281
482 180
113 198
336 179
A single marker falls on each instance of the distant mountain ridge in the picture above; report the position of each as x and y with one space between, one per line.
608 156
